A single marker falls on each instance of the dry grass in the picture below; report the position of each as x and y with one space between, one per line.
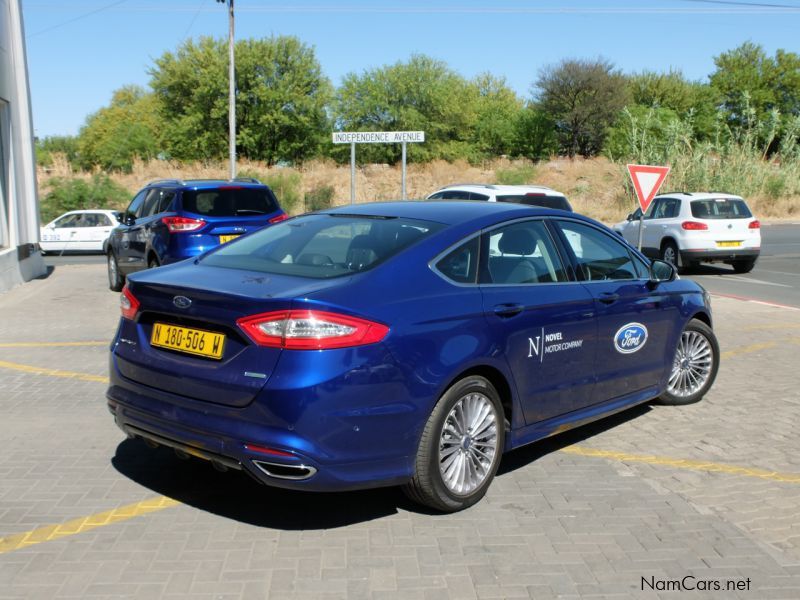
595 187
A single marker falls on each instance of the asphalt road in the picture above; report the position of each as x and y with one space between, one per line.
776 277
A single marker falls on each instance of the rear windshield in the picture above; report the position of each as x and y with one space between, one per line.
321 246
558 202
229 202
720 208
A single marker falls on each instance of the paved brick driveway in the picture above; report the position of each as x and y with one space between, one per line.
710 491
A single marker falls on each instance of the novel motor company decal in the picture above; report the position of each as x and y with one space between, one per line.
630 338
549 343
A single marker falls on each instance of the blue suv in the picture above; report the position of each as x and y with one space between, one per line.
171 220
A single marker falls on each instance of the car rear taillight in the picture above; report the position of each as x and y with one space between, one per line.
694 226
310 330
182 224
535 194
279 218
754 224
128 304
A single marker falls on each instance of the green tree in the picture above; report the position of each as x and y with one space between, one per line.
281 98
583 97
497 110
127 129
752 84
534 134
422 94
47 147
692 101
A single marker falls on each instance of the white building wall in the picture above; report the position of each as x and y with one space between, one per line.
20 259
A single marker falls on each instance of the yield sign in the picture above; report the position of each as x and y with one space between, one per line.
646 181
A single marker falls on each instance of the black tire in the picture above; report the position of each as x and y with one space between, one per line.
670 254
673 395
428 486
744 266
115 279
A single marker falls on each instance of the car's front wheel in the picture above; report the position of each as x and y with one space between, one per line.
694 366
460 448
115 278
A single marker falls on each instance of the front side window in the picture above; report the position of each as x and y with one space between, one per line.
543 200
137 204
521 253
67 221
322 246
600 256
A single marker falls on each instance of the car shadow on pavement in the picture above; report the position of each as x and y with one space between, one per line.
527 454
234 495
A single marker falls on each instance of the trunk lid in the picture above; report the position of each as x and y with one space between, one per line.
209 301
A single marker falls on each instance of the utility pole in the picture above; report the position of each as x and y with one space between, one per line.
231 92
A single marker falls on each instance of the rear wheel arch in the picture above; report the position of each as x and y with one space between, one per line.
500 383
152 258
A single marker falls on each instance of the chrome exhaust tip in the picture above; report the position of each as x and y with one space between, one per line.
181 454
219 466
282 471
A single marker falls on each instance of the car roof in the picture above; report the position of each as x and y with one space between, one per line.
699 195
448 212
499 188
84 211
201 184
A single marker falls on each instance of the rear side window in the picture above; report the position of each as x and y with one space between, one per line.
461 265
322 246
229 202
720 208
558 202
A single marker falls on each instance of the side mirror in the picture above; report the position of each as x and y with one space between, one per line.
629 217
661 271
129 219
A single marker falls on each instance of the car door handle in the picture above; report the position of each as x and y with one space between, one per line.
508 310
608 298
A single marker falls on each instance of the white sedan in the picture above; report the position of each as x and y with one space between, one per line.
78 230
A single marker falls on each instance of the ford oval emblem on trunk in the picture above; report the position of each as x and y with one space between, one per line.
181 302
630 338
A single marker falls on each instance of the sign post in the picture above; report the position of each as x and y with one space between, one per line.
647 180
376 137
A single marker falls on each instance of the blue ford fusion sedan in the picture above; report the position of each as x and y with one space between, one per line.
403 344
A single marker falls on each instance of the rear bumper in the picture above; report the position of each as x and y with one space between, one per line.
722 255
220 433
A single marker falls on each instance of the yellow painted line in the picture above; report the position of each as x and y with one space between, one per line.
682 463
49 533
52 372
50 344
747 349
772 326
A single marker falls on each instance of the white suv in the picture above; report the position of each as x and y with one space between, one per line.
686 229
534 195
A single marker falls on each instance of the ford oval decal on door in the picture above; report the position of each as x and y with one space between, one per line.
630 338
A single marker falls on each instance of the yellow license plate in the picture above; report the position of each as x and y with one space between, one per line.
728 244
191 341
227 238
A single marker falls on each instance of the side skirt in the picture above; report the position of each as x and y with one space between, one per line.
562 423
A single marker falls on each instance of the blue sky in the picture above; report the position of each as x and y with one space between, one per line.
80 51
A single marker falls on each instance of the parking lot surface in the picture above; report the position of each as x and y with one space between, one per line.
630 507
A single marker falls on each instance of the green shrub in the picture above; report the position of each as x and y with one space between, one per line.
75 194
319 198
516 175
286 185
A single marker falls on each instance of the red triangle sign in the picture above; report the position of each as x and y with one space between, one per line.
647 180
